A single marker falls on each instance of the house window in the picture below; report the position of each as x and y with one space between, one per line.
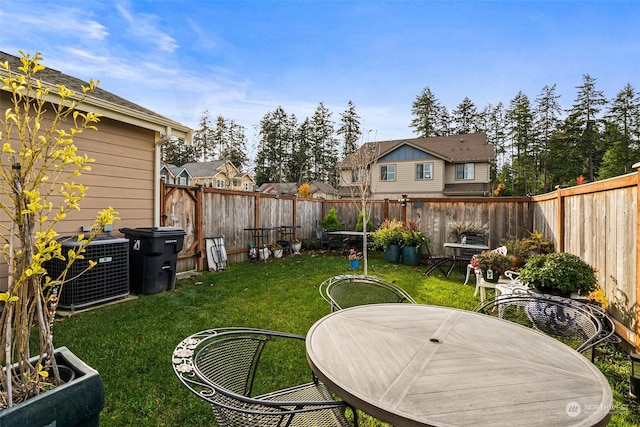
219 183
388 173
245 186
465 171
183 180
357 175
424 171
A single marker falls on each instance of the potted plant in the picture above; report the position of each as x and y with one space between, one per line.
412 242
559 273
388 237
296 245
354 259
492 264
276 249
460 229
39 163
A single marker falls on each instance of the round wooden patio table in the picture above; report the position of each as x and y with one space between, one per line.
421 365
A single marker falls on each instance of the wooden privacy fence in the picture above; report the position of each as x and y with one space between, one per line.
598 222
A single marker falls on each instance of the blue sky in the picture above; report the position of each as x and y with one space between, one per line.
243 59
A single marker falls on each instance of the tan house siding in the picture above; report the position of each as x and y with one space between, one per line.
406 180
481 174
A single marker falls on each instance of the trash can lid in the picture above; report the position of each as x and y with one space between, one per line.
153 231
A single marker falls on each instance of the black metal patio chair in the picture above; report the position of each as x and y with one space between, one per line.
352 290
230 367
579 325
439 262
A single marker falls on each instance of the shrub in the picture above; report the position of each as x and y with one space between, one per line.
561 272
360 221
389 233
331 222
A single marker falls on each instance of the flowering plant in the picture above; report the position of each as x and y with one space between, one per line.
353 255
297 240
275 246
598 296
491 260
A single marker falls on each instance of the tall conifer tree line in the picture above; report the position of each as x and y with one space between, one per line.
539 145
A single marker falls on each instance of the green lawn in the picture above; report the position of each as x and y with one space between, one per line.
130 343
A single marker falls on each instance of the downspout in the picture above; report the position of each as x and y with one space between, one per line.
156 175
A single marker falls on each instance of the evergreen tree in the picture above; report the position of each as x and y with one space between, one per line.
234 147
584 116
547 119
298 168
493 124
324 146
624 136
566 160
274 147
465 117
430 118
178 152
619 157
520 131
203 138
349 129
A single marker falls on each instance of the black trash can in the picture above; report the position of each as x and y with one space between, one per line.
153 254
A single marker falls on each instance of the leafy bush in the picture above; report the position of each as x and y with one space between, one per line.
535 244
331 222
360 221
389 233
560 271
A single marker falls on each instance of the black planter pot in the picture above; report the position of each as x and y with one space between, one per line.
490 276
74 404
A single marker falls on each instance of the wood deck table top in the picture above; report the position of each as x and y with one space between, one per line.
421 365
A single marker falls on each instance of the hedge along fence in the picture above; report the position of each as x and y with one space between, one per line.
598 222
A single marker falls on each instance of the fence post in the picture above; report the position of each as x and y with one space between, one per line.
199 229
560 213
637 304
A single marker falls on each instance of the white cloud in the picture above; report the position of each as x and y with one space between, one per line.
145 27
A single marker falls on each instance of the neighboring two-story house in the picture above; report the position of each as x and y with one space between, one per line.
220 174
456 165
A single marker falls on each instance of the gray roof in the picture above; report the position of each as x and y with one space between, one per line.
453 149
284 188
53 77
202 169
